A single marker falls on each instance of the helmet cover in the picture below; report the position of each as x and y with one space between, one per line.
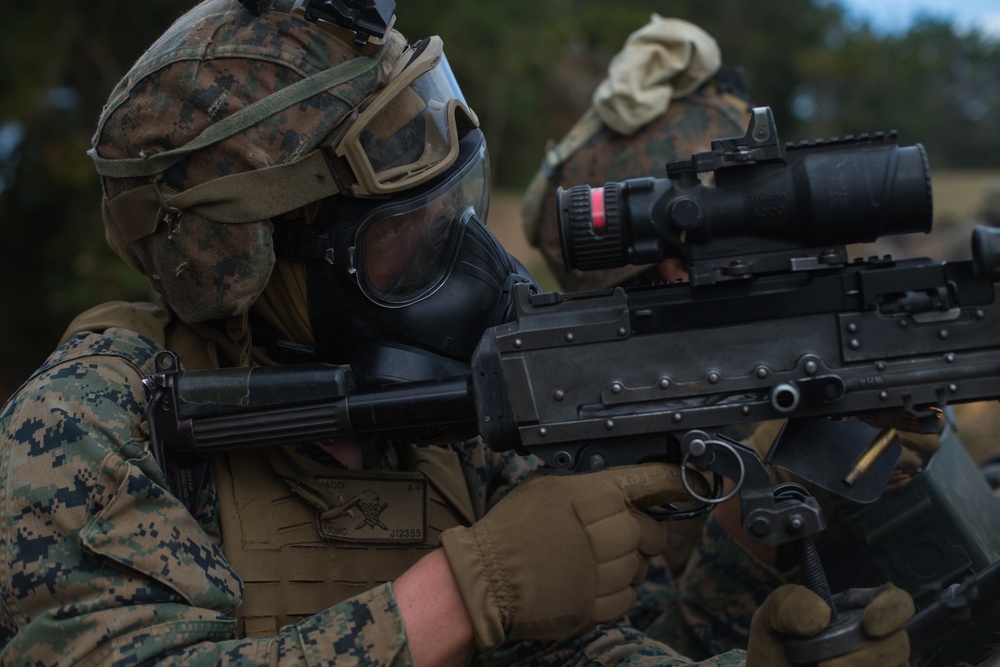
213 61
666 96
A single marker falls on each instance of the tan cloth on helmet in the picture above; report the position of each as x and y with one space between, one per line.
665 59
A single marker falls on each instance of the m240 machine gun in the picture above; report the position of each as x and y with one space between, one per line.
775 323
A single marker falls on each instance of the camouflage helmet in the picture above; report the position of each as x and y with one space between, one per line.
634 127
216 130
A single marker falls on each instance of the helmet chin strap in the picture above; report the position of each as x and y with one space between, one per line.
279 318
277 348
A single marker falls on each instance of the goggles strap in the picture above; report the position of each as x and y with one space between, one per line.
555 157
262 193
247 117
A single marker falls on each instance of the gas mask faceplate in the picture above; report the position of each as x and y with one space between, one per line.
403 288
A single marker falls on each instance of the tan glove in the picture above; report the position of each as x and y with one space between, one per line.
796 610
561 554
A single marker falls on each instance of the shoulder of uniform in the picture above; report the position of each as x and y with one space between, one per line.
115 342
116 355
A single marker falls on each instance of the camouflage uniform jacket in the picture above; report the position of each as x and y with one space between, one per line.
99 565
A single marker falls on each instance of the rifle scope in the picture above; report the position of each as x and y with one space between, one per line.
812 196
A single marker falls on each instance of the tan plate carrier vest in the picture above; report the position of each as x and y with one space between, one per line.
290 571
272 536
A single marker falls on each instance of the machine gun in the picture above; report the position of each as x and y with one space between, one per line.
775 323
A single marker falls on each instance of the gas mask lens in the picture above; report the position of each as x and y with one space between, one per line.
409 132
405 250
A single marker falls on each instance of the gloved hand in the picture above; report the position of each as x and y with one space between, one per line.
796 610
561 554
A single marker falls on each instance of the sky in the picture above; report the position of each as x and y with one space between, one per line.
893 15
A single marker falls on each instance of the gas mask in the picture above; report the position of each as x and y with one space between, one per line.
403 288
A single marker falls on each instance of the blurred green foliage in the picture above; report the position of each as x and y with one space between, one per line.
527 67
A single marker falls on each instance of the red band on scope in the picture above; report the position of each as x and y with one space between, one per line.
597 217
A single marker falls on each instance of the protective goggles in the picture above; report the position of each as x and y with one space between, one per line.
402 251
408 132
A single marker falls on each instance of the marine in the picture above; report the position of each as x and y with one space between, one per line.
267 170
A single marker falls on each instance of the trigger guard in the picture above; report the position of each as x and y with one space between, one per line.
672 513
